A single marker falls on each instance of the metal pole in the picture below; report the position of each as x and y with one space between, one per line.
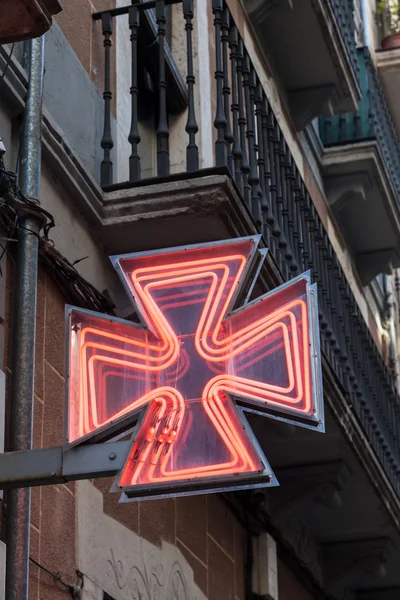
24 324
366 34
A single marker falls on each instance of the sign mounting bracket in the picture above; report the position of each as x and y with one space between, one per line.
50 466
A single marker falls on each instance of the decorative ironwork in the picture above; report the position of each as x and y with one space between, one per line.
164 75
107 141
192 152
226 88
249 84
134 136
220 122
162 129
244 166
298 241
236 147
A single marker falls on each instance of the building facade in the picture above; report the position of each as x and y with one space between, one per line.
192 121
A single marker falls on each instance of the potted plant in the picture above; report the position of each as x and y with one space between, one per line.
389 15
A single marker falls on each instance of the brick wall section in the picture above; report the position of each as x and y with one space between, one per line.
202 527
85 35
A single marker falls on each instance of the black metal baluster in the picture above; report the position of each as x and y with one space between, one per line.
340 303
312 258
288 201
274 220
316 262
357 132
304 209
226 89
347 332
319 237
333 304
291 207
282 198
267 208
298 239
261 158
250 134
257 143
245 167
359 320
134 136
371 97
364 398
325 313
221 149
328 131
106 173
279 191
342 128
236 149
359 368
326 273
192 152
353 343
162 129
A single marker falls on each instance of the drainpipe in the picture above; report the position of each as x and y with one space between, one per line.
24 325
366 32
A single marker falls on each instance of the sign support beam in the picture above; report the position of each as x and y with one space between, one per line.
49 466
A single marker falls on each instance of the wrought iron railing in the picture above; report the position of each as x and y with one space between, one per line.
372 121
344 15
148 20
250 145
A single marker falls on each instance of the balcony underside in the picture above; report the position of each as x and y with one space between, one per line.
328 507
365 207
388 63
26 19
302 42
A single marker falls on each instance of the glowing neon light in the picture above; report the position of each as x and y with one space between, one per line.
186 366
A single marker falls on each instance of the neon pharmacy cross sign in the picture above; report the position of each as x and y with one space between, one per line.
186 375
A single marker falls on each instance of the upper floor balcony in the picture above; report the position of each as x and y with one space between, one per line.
388 55
362 176
312 49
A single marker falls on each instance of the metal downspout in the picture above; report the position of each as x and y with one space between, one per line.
366 33
24 325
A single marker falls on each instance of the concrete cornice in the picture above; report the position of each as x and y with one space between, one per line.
367 152
388 59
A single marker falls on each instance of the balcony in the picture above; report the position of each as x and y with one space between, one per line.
311 47
255 186
362 176
388 55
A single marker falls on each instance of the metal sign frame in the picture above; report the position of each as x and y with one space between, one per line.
99 454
